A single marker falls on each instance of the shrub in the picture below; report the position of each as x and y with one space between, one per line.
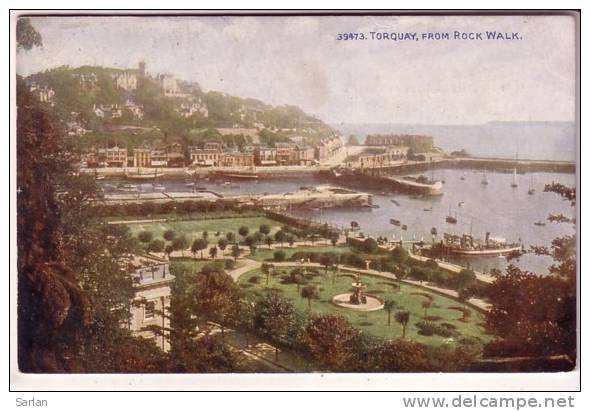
279 255
428 328
229 264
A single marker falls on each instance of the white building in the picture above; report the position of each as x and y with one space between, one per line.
168 85
152 281
136 110
126 81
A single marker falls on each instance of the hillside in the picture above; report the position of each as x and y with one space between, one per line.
130 107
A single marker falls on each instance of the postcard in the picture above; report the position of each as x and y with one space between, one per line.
247 193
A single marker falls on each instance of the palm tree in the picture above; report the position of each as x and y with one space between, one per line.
426 305
403 318
400 273
266 269
389 306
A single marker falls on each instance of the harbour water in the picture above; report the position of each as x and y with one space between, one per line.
497 208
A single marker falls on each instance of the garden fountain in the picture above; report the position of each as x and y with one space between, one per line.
358 299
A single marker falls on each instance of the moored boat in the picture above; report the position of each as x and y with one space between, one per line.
466 245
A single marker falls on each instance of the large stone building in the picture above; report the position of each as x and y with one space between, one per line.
328 147
237 159
126 81
152 280
421 142
168 85
142 157
113 157
205 157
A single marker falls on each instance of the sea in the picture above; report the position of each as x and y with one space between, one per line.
497 208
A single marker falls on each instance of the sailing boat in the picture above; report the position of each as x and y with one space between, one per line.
450 219
532 186
484 179
514 184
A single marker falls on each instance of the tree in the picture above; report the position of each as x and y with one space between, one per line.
327 260
235 251
535 315
180 244
370 246
310 292
426 304
399 255
26 35
280 237
243 231
352 140
465 278
264 229
199 244
403 318
296 277
205 235
169 235
168 250
230 237
145 236
279 255
389 306
419 273
291 240
156 246
213 252
403 356
334 239
330 339
52 307
222 244
275 317
250 241
268 241
400 273
216 296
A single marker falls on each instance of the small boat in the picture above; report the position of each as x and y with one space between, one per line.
484 180
434 231
540 223
190 184
158 187
227 183
531 187
462 177
514 184
394 202
428 209
461 203
450 219
99 177
404 227
394 222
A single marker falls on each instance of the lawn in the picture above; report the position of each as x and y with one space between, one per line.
410 298
194 228
264 254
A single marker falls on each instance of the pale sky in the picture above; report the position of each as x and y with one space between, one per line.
297 60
